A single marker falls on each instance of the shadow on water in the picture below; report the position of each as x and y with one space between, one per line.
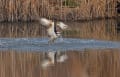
93 50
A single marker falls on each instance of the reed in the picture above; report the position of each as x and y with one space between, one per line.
31 10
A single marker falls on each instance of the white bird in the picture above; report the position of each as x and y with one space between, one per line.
52 31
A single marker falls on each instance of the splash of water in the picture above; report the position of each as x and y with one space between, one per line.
61 39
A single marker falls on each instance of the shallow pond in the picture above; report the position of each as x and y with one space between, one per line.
92 49
98 34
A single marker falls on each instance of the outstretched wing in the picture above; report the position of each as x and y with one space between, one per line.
45 22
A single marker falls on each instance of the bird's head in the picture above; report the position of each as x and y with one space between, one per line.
62 25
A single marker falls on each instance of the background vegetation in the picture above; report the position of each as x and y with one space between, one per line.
27 10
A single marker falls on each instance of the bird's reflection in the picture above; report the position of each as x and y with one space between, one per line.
52 57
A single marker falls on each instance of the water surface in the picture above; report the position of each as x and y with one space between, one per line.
63 44
93 50
98 34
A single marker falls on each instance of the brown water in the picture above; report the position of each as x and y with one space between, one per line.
88 62
98 29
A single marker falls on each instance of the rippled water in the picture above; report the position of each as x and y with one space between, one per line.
92 49
99 34
41 44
